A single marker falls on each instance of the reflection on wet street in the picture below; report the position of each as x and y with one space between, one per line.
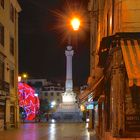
48 131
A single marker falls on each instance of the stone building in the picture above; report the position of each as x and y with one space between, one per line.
47 90
114 81
52 93
9 109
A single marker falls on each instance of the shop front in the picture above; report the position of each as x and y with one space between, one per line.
120 58
2 114
89 98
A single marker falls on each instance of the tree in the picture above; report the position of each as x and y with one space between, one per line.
44 107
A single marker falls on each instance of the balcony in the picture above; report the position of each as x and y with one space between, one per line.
5 86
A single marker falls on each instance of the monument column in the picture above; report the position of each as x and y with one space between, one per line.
69 82
69 95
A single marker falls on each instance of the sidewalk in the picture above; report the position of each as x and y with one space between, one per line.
93 135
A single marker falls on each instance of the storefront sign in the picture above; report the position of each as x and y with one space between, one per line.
132 110
132 122
90 106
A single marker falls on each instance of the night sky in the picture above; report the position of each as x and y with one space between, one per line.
43 38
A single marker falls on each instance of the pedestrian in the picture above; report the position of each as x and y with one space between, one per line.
47 117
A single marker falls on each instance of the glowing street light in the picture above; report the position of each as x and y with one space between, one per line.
25 75
75 22
53 103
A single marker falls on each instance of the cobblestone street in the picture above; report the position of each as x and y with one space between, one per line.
49 131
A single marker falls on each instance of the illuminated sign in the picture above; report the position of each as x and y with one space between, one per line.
90 106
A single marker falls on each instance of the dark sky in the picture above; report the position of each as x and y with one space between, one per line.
42 40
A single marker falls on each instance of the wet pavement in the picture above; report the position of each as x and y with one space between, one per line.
49 131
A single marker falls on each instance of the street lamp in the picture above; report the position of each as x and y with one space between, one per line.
53 103
24 77
75 23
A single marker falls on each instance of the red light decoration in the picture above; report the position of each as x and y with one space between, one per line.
28 101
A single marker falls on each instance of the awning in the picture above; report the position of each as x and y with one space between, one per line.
89 92
131 54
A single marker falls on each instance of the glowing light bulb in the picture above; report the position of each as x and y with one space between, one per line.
75 22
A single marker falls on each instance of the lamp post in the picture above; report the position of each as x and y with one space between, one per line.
75 23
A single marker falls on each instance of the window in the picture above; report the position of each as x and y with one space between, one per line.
2 3
12 45
57 93
46 93
12 78
1 71
12 116
58 100
1 34
12 13
52 88
2 110
51 93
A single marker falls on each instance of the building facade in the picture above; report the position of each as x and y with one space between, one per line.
47 90
37 84
9 109
52 93
49 93
114 81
